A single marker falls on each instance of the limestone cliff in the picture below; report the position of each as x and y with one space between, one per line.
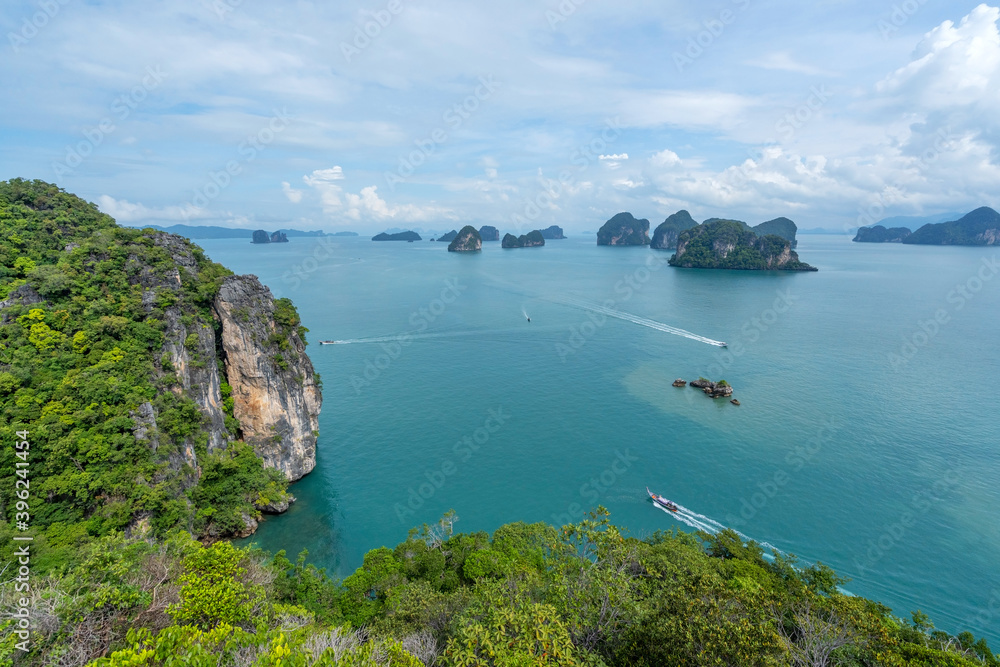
276 399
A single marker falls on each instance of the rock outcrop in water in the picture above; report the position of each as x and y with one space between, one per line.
448 237
489 233
262 237
624 229
782 227
879 234
530 240
720 389
553 233
398 236
980 227
276 399
727 245
468 240
667 232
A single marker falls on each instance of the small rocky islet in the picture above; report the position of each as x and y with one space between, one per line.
720 389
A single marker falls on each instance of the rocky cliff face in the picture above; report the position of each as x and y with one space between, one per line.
276 399
467 240
667 232
725 244
624 229
489 233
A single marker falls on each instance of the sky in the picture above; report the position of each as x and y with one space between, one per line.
432 114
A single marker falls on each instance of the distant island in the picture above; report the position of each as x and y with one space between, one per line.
448 237
399 236
216 232
782 227
489 233
980 227
467 240
530 240
666 234
261 237
345 234
879 234
624 229
554 232
725 244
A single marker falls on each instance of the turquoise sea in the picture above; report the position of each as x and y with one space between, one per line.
868 437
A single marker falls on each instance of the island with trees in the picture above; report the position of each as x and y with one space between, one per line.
980 227
553 233
398 236
261 237
624 229
667 232
489 233
725 244
532 239
466 240
879 234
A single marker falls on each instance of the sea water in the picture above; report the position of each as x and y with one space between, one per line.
868 436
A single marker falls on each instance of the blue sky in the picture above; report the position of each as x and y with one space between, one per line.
433 114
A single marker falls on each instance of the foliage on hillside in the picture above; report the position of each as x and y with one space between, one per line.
79 353
979 227
724 244
527 595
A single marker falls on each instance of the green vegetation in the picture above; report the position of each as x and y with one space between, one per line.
448 237
83 347
980 227
583 595
399 236
530 240
666 233
879 234
467 240
782 227
624 229
725 244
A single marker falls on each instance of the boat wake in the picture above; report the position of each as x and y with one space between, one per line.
635 319
709 525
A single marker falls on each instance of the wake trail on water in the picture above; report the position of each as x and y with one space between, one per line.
635 319
709 525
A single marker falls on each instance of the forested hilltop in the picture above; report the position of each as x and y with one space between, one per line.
128 361
135 366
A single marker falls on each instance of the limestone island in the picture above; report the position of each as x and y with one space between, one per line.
665 235
345 234
261 237
980 227
720 389
725 244
398 236
552 233
530 240
879 234
448 237
624 229
489 233
467 240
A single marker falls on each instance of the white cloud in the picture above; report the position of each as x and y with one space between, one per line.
324 182
125 211
783 61
953 65
367 205
294 196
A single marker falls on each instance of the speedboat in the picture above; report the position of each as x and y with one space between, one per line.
662 502
329 342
